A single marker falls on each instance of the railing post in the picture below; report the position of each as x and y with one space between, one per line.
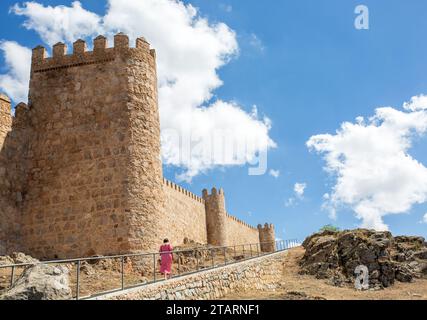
12 277
154 267
244 252
250 246
258 249
197 258
123 273
179 264
212 257
234 253
78 281
225 255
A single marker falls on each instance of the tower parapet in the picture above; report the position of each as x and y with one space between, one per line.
216 217
101 53
267 237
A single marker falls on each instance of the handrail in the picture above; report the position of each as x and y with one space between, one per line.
278 246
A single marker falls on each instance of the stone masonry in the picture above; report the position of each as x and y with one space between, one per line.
261 274
80 168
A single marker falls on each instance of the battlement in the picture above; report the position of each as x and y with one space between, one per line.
178 188
266 227
214 192
243 223
81 56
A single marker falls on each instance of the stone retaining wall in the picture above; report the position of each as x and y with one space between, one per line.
261 273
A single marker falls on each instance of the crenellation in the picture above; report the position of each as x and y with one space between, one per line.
39 54
142 43
121 41
79 47
101 54
59 50
100 44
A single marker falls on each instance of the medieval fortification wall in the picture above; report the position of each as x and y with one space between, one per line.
80 169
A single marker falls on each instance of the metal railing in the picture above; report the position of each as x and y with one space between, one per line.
206 258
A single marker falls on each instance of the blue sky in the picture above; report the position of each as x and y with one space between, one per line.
305 67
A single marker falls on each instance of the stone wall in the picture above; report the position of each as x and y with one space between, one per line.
263 273
184 215
6 210
239 232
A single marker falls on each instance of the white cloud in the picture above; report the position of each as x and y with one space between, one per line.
18 63
375 174
417 103
425 218
226 7
299 189
256 42
60 23
274 173
190 50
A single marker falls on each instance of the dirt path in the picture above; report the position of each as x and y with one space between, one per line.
302 287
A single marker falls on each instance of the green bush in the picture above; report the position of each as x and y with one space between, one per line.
330 227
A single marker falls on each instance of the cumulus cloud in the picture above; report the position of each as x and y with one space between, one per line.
425 219
274 173
416 103
18 63
375 174
60 23
299 190
199 132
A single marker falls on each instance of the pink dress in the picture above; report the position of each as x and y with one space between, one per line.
166 259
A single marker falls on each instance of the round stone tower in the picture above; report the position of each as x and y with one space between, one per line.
215 217
267 238
96 186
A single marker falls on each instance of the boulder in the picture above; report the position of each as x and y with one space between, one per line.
17 258
336 255
41 282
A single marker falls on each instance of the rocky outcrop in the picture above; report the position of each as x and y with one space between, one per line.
336 255
17 258
40 282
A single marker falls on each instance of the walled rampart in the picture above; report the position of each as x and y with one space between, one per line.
80 168
184 215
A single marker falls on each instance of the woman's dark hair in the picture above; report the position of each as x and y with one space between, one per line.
165 241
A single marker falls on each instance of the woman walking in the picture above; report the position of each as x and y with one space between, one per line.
166 259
